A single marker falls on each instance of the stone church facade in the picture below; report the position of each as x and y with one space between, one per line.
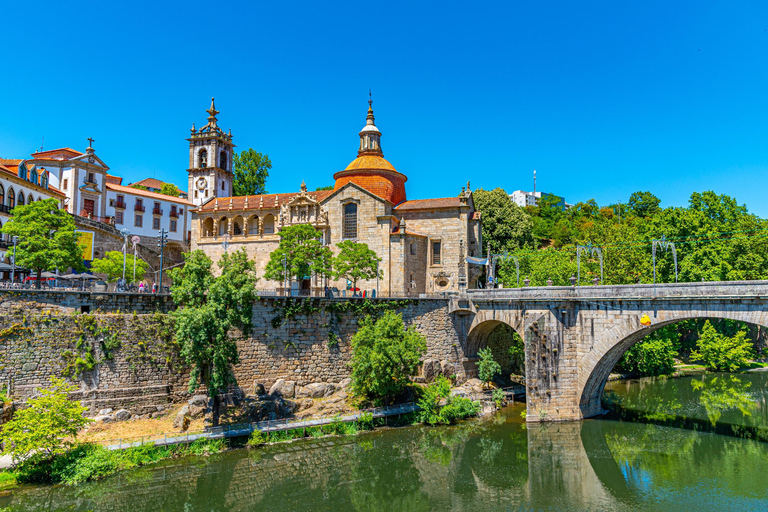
422 244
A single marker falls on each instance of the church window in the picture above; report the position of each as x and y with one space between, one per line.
33 176
223 161
349 230
20 202
223 226
11 198
44 180
208 227
2 195
236 230
436 256
253 225
413 249
203 158
91 178
30 199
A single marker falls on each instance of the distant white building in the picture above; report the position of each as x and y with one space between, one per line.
522 198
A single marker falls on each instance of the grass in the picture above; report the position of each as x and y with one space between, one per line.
88 462
336 428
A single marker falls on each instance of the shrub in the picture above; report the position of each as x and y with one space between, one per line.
257 438
47 426
365 421
455 407
498 397
651 356
384 357
487 367
719 352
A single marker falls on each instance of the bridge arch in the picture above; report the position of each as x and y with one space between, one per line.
596 363
484 332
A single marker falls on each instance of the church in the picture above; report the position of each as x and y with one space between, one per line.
423 244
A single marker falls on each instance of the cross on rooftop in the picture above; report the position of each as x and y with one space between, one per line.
90 141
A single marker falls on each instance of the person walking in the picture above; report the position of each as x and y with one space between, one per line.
141 287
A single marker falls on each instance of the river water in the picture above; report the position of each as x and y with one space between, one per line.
494 464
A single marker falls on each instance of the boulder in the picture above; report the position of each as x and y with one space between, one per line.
105 412
29 367
103 418
431 369
199 400
344 383
258 388
196 411
447 369
475 385
302 392
182 419
283 388
122 415
318 389
306 404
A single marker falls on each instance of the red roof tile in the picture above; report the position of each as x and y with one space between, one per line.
145 193
428 204
270 201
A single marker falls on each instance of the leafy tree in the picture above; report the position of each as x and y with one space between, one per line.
301 253
355 261
722 353
506 226
327 187
454 408
47 426
209 309
487 367
643 204
112 265
46 237
384 357
169 189
140 187
251 170
653 355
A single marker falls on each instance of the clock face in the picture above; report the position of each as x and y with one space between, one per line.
201 183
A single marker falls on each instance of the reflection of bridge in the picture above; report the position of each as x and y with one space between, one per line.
575 335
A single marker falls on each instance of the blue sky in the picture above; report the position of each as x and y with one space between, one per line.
601 98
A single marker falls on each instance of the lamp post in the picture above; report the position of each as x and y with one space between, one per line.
125 234
591 251
161 239
13 261
664 244
377 277
285 274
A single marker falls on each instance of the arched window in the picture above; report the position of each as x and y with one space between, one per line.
2 195
349 229
203 158
253 225
223 161
208 227
223 226
30 199
269 224
20 201
237 226
11 198
33 176
44 180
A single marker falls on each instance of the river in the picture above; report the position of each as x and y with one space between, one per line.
494 464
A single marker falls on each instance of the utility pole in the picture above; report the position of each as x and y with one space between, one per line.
161 239
13 262
125 234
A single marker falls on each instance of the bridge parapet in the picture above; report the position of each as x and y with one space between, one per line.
633 291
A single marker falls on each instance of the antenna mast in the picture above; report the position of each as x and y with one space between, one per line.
534 183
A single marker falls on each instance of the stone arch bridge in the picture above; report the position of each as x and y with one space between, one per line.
575 335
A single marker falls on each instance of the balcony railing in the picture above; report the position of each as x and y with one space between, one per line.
120 204
139 208
174 214
157 211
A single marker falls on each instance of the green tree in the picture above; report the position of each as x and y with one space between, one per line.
487 367
506 226
251 170
327 187
140 187
653 355
47 426
209 309
384 356
643 204
112 265
722 353
301 253
355 261
46 237
169 189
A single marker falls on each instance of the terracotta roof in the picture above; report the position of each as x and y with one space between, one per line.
144 193
13 170
117 180
428 204
270 201
52 152
370 162
150 183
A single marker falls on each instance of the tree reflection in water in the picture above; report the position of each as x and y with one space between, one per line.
722 393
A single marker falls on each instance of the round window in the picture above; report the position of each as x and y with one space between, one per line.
442 283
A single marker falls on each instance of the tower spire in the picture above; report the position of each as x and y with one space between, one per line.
212 113
370 135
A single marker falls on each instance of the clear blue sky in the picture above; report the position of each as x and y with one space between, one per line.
602 98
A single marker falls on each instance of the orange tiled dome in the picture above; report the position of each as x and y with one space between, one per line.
376 175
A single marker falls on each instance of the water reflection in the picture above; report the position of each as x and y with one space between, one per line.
500 464
724 393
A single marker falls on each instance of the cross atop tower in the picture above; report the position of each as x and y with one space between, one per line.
90 141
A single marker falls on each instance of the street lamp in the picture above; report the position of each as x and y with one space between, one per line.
125 234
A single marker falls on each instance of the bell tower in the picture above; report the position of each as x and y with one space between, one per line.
210 160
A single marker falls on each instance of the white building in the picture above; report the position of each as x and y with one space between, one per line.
522 198
83 183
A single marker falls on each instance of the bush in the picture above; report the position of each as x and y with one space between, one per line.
257 438
498 397
487 367
384 357
651 356
47 426
722 353
455 407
